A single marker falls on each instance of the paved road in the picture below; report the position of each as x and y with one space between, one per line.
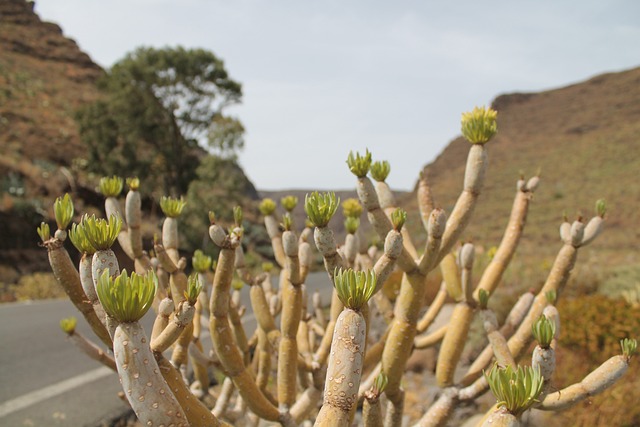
46 381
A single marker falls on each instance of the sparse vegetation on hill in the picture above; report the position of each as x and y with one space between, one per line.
584 140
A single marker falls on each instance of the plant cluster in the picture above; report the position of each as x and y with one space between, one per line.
303 364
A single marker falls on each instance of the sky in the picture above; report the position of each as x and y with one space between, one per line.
321 78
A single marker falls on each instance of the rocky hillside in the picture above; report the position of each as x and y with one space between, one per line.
584 140
44 77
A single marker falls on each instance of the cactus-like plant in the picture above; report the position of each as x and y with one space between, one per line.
315 351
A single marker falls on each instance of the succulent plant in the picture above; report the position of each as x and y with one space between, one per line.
320 208
479 125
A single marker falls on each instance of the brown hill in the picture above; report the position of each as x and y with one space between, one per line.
584 139
44 77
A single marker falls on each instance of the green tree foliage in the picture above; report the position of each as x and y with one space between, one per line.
161 108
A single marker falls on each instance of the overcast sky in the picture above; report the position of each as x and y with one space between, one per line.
321 78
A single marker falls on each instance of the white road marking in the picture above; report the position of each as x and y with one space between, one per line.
52 390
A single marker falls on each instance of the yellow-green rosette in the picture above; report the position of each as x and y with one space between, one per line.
201 263
111 186
351 208
479 125
63 210
289 203
127 298
172 207
320 208
516 389
354 288
78 237
359 165
68 325
101 233
194 287
267 207
380 170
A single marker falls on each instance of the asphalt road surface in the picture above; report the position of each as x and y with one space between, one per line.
46 381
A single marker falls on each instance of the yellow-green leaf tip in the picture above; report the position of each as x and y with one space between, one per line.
515 389
193 289
351 224
483 299
601 208
359 165
127 298
44 232
551 297
172 207
101 233
543 331
237 216
380 383
479 125
201 263
68 325
133 183
398 218
267 207
289 203
351 208
320 208
287 221
237 284
78 236
63 210
380 170
267 267
629 347
111 186
354 288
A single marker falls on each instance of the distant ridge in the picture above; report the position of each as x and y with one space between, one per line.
585 139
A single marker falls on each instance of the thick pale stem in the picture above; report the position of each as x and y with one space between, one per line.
596 382
182 318
493 273
496 339
133 213
224 342
68 278
403 330
379 220
344 370
170 238
291 316
557 279
273 230
150 397
453 343
464 207
514 318
196 412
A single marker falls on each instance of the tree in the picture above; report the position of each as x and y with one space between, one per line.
161 108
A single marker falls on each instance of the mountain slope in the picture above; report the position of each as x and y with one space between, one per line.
584 139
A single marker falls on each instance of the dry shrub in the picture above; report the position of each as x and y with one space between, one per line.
37 286
592 327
